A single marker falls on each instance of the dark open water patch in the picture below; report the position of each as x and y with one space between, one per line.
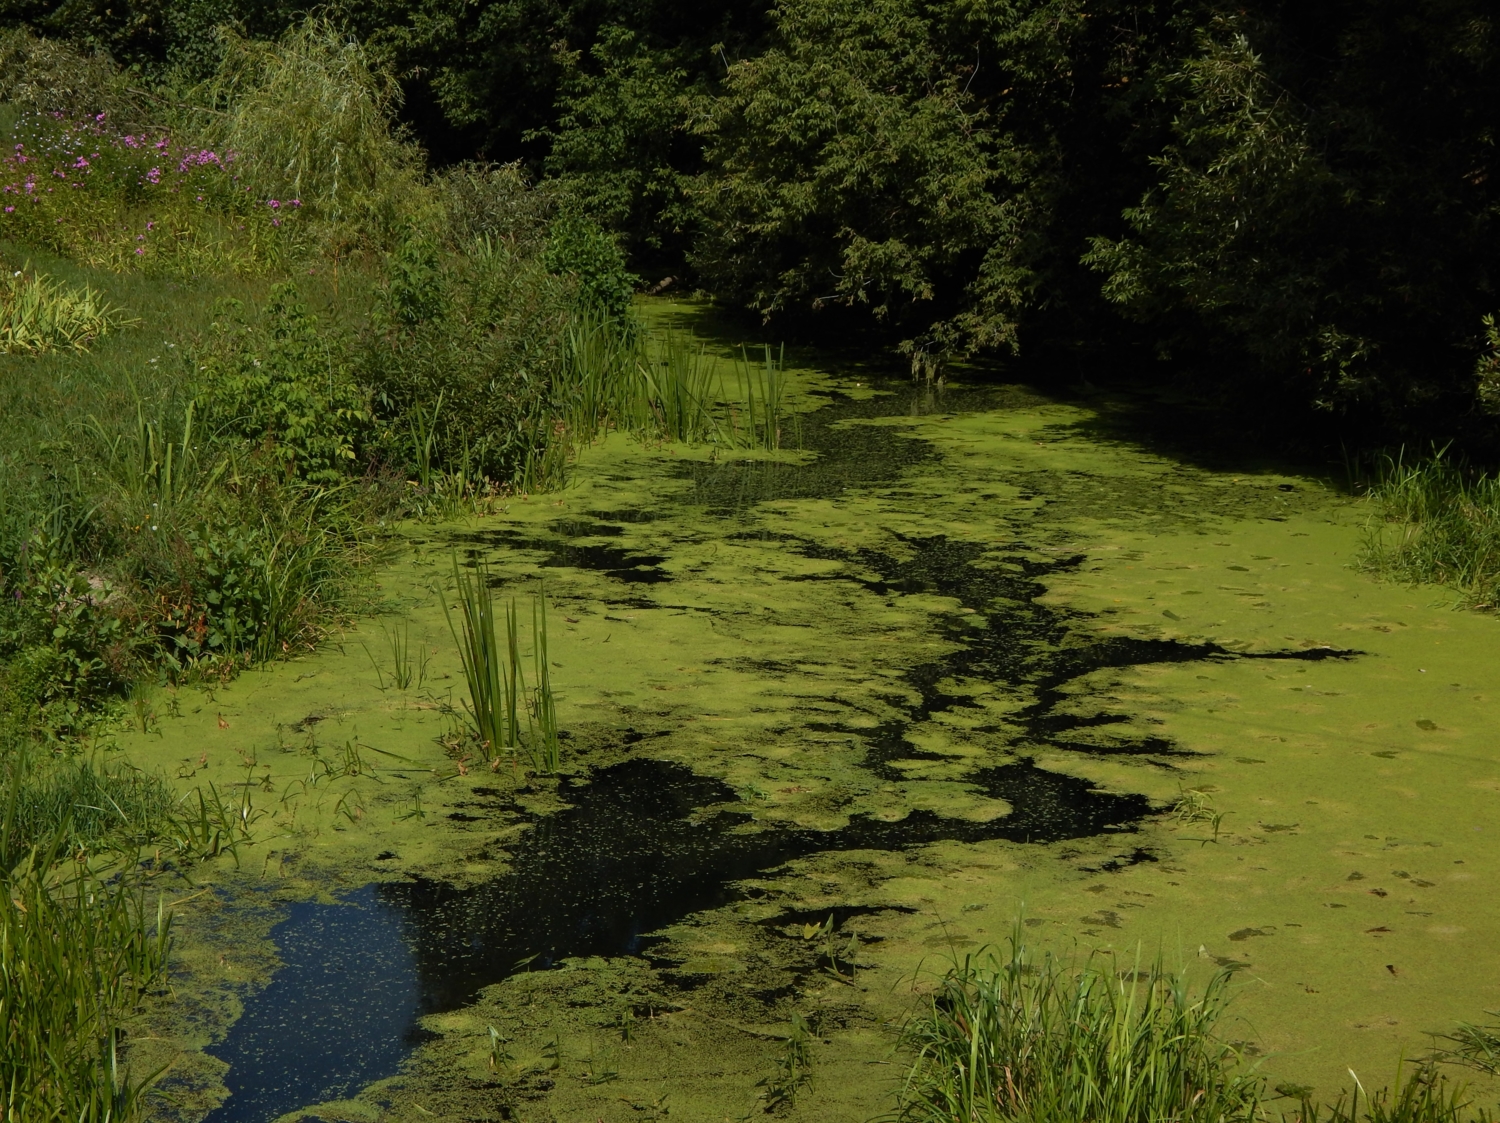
642 846
339 1009
564 553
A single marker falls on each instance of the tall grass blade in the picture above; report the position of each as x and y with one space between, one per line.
491 690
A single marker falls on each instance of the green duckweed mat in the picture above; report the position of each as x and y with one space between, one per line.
938 587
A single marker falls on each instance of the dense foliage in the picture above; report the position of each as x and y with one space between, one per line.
1285 198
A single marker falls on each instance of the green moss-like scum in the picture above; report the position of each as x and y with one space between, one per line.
761 629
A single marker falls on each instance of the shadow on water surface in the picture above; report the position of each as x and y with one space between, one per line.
643 845
1011 636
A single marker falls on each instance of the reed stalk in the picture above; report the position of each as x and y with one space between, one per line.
491 690
546 746
499 699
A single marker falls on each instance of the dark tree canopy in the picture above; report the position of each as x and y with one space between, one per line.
1297 198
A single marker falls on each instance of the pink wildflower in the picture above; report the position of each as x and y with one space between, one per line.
10 210
138 249
274 221
80 163
154 175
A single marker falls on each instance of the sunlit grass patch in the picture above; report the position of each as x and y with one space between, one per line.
39 313
1438 523
1033 1037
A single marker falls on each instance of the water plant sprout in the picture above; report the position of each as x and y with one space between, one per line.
498 695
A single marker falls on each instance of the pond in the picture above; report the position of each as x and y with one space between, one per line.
964 664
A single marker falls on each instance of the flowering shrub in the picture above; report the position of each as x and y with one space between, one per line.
137 200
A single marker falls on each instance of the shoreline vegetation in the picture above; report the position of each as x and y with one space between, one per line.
250 329
1017 1035
249 335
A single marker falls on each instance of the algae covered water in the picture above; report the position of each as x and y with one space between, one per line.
965 663
628 857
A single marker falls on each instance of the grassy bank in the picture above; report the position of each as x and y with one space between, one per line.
1030 1038
1438 523
238 335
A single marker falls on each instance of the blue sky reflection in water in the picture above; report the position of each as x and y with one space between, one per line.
338 1014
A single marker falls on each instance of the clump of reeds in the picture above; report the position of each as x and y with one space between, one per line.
600 386
664 386
487 672
1420 1095
1033 1038
679 380
1439 523
762 388
38 313
82 940
499 700
92 806
77 951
